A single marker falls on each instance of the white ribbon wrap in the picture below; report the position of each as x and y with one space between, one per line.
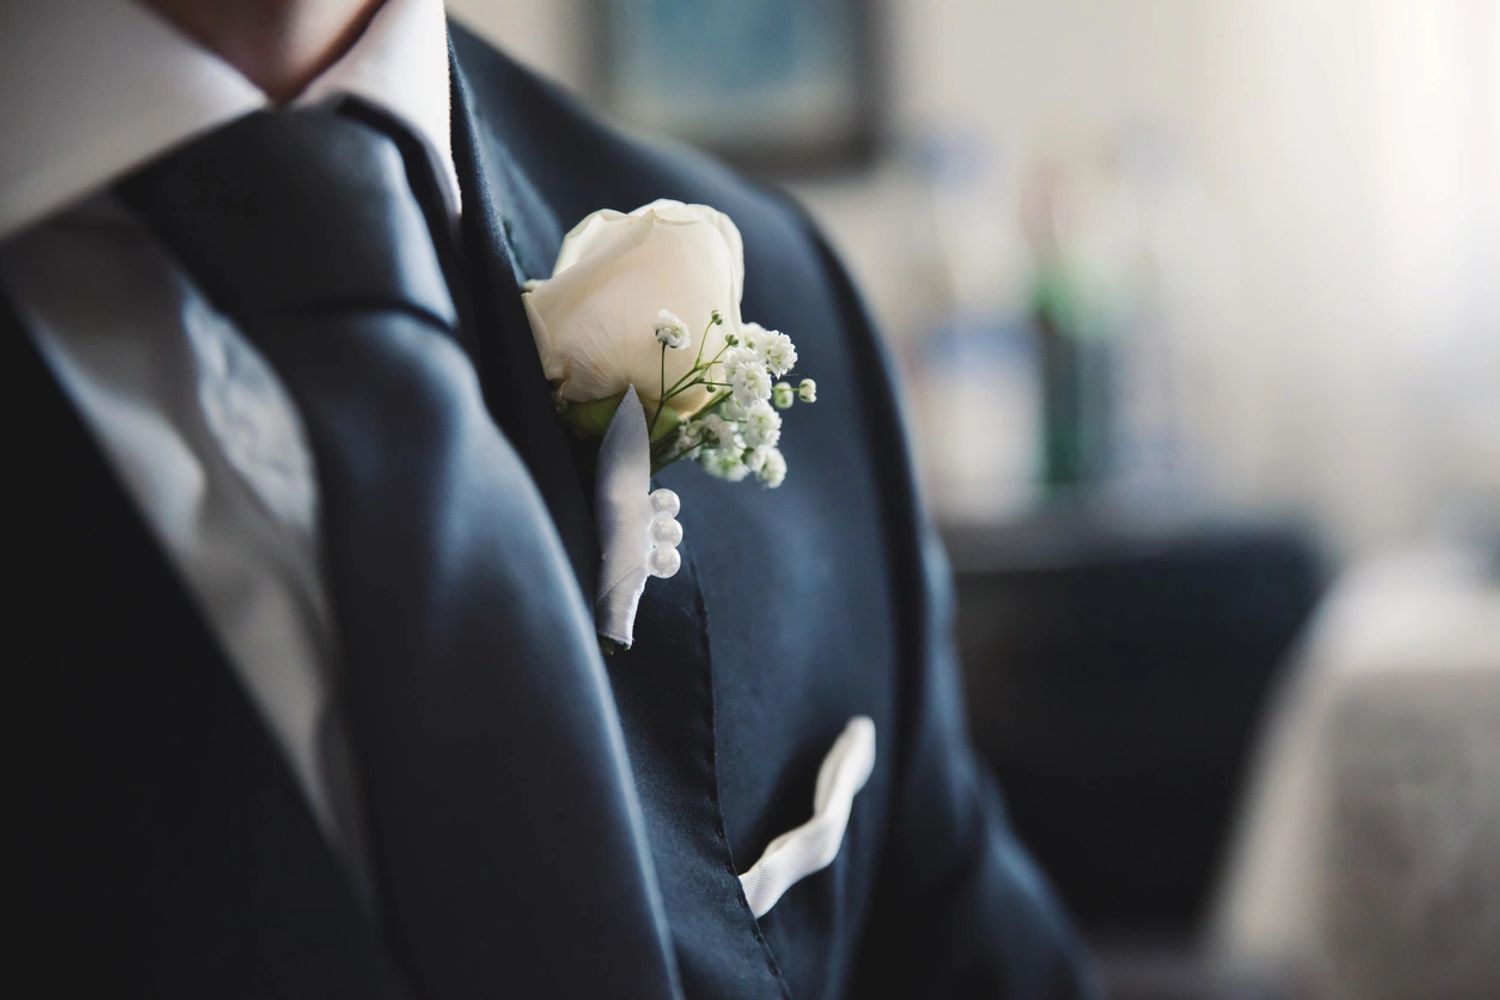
623 515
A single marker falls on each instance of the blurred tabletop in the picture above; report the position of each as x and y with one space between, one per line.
1368 858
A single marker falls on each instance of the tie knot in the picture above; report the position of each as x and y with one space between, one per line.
296 211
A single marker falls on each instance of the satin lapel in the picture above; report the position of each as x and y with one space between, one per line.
502 247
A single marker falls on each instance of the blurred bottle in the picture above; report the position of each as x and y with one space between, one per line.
1077 324
1100 297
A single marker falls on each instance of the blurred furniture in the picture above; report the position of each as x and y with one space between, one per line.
1369 860
1116 670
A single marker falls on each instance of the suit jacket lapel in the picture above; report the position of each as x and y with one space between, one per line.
506 233
165 836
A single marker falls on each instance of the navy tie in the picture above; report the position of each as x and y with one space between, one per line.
505 840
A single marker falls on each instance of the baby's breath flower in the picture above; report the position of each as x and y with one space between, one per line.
773 471
715 430
737 358
732 411
753 336
762 427
779 353
672 331
755 458
807 391
725 463
781 395
750 383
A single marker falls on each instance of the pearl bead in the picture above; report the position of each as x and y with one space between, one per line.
664 501
664 562
666 532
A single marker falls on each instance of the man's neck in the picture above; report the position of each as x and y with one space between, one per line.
279 45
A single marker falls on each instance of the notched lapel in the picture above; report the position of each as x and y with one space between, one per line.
528 230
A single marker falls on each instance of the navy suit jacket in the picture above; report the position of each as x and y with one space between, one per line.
156 844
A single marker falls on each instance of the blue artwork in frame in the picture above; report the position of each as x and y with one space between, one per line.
772 85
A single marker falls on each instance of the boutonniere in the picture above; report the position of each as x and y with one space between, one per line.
640 334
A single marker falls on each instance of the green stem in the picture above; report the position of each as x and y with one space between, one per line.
698 367
683 389
679 387
661 460
661 397
703 340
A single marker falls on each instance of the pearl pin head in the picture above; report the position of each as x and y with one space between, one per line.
663 560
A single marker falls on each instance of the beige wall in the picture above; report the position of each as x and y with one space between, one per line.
1333 235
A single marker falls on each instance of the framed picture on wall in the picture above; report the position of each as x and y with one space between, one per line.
773 86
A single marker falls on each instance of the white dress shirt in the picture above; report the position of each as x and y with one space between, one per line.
197 427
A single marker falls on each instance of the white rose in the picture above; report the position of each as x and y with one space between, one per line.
594 320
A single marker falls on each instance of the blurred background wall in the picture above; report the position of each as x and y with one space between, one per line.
1285 213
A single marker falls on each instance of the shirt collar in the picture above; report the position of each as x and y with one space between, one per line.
90 89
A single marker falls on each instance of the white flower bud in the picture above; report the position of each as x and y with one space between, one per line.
754 336
720 432
672 331
750 383
755 459
762 425
779 353
725 463
732 411
807 391
612 275
737 358
782 395
773 471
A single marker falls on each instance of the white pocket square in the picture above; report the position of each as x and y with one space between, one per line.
812 846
